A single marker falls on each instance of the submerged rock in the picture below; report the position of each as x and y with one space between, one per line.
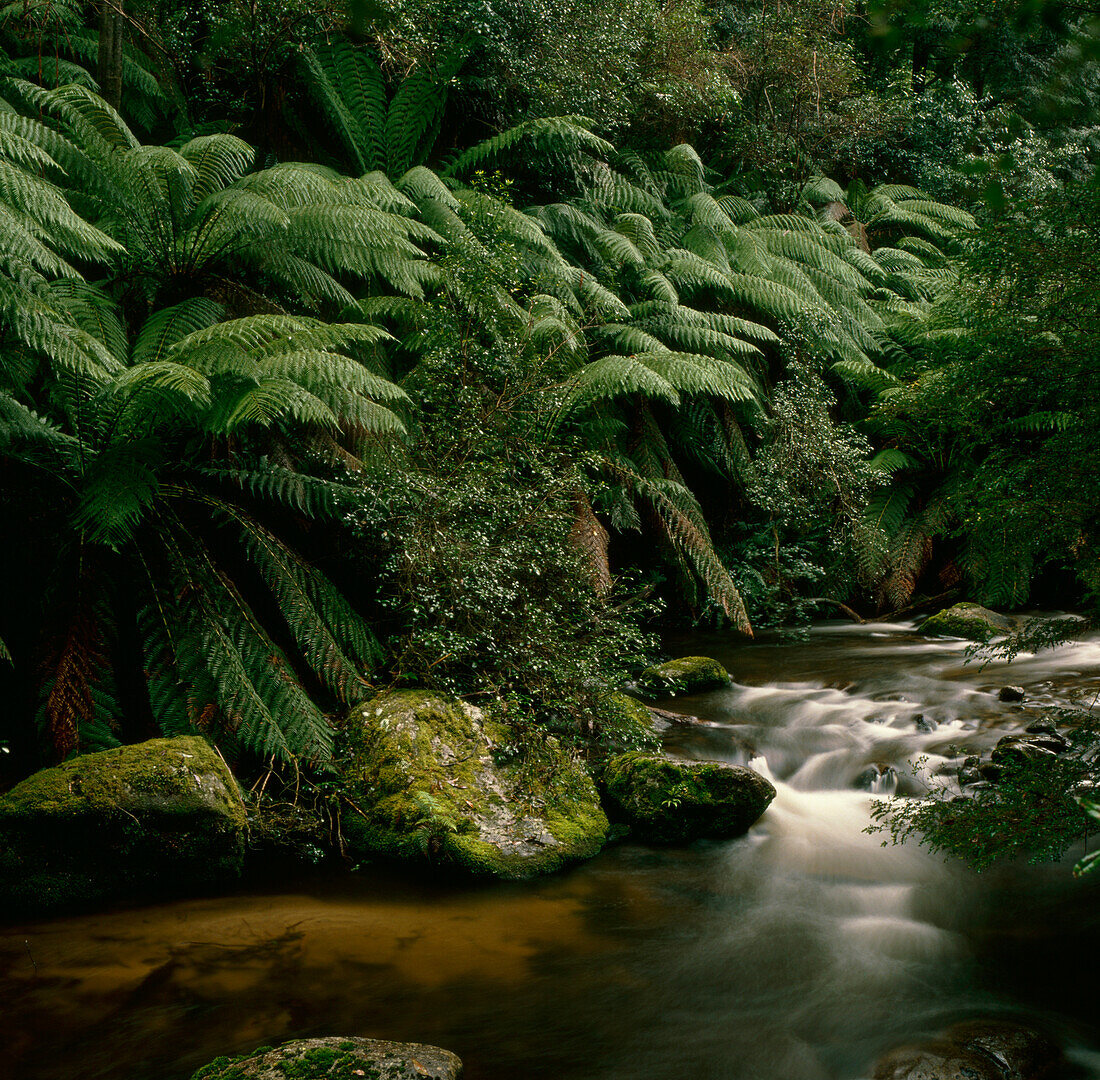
337 1059
432 778
161 816
971 621
677 801
687 675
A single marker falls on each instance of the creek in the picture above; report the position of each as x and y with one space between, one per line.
799 952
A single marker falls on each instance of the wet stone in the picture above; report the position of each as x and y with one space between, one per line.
976 1050
436 780
1041 727
1016 749
939 1060
132 822
338 1059
969 621
1020 1052
671 802
1010 693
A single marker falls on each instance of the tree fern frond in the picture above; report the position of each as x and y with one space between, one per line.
117 489
76 707
218 161
337 644
293 490
563 136
416 109
348 85
168 326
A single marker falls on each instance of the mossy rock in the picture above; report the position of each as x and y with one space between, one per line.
687 675
164 816
624 723
970 621
337 1059
671 801
432 778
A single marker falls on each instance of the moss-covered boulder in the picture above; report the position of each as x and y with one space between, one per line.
687 675
670 801
164 816
624 723
431 777
337 1059
970 621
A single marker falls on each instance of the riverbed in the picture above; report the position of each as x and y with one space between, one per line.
799 952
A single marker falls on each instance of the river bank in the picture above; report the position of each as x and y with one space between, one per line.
800 951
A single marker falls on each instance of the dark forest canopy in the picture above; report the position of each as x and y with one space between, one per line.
440 344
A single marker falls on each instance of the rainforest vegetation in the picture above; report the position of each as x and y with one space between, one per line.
465 346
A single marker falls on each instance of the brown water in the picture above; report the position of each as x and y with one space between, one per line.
796 953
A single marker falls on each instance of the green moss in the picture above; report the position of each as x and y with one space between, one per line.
120 822
676 801
333 1059
317 1063
430 778
686 675
624 724
161 774
970 621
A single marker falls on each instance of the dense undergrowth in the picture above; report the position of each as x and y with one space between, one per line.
426 345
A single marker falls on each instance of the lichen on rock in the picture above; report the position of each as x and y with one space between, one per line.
337 1059
430 777
686 675
970 621
163 815
671 801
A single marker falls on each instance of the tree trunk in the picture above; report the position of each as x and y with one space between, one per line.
109 72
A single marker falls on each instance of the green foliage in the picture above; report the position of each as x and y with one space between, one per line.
642 67
462 404
492 562
1038 807
375 133
809 486
122 426
997 418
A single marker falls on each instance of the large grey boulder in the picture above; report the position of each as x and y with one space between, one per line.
432 778
670 801
337 1059
161 816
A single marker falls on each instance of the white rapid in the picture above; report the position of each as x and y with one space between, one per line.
853 716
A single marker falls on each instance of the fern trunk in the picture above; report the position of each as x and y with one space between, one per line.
109 68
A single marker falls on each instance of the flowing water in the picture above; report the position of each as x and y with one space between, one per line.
798 952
